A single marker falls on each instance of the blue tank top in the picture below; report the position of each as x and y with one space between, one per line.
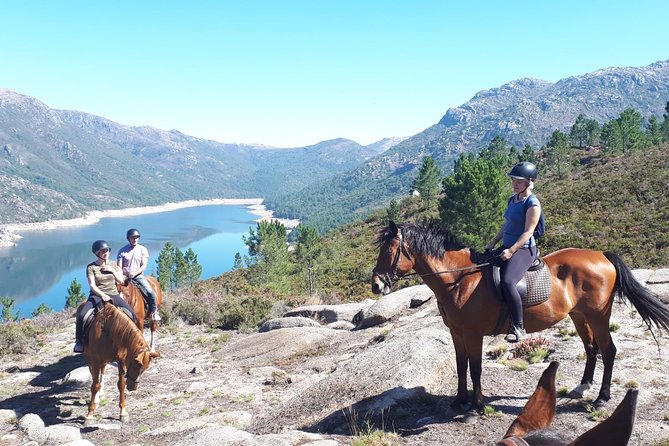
515 221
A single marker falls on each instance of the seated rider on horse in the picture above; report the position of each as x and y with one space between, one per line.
519 248
102 275
133 259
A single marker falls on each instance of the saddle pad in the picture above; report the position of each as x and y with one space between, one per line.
539 287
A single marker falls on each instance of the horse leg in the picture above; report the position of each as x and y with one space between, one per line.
124 416
591 349
96 375
474 345
154 335
461 363
609 350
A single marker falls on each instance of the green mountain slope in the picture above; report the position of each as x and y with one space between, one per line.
58 164
525 111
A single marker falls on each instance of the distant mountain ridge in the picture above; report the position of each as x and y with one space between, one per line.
523 111
57 164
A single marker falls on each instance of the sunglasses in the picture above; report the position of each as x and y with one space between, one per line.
104 250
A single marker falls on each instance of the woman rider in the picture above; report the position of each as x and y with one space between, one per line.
103 275
519 248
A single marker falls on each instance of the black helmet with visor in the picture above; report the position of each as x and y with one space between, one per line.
524 171
99 245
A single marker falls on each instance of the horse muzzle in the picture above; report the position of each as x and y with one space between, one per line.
380 285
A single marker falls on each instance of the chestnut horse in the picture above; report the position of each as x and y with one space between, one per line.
112 336
529 427
584 284
135 299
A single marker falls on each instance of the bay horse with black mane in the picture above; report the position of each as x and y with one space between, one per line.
584 284
112 336
132 294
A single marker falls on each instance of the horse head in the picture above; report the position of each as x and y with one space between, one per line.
137 366
530 427
394 259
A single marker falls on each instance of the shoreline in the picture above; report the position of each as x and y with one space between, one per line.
9 232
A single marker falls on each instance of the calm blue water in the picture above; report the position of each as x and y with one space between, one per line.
44 263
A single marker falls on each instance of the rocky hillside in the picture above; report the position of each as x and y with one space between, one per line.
523 111
57 164
320 375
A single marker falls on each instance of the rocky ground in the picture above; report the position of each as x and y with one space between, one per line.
317 382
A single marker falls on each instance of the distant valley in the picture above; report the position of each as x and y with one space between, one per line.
58 164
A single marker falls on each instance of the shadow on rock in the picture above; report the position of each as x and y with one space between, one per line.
401 410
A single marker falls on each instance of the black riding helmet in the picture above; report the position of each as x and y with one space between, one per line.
524 170
98 245
132 233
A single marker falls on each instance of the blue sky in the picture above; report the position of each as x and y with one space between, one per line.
292 73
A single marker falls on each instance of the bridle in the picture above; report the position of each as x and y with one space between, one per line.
389 279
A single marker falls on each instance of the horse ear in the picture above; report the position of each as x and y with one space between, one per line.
393 227
540 408
616 429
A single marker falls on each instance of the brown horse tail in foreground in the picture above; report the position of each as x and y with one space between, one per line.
529 427
112 336
584 284
135 299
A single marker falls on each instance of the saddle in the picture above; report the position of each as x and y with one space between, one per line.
534 288
89 316
143 292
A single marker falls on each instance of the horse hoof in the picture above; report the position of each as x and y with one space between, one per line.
470 417
125 418
600 403
89 421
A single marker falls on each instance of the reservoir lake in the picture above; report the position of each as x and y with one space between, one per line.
41 267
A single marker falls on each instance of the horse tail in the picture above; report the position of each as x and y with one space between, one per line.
648 304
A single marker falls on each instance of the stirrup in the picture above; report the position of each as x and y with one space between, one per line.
156 317
516 334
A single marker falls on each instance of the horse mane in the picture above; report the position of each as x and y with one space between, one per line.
425 239
122 331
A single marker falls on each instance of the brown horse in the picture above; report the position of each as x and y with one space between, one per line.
135 299
112 336
584 284
528 428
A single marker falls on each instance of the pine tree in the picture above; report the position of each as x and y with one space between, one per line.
74 295
393 212
612 136
427 181
42 309
165 266
557 150
238 262
665 124
594 132
269 260
579 131
654 131
193 267
8 313
308 250
474 198
630 122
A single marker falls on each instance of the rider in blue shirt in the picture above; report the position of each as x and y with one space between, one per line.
519 249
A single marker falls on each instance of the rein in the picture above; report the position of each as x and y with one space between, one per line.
464 268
